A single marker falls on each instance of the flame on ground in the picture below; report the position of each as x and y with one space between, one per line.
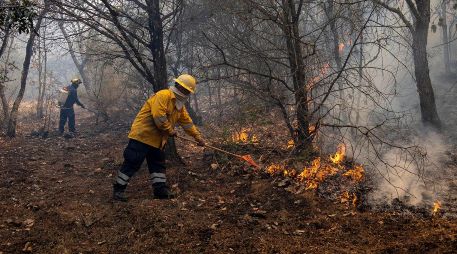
243 136
316 174
436 207
338 157
356 174
275 169
320 170
346 198
290 144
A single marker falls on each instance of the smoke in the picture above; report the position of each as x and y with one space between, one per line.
413 180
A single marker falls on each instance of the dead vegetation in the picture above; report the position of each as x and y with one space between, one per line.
55 198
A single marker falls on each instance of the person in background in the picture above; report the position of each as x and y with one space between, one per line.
66 110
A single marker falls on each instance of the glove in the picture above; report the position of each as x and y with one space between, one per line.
172 133
200 141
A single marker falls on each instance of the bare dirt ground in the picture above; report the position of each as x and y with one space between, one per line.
55 197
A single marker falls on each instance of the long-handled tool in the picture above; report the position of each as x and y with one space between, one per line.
247 158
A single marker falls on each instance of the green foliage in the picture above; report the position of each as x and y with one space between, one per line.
18 15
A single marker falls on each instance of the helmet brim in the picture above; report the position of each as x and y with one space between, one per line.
183 85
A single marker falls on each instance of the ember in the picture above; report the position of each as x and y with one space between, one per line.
436 207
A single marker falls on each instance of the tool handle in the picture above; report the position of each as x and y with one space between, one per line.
212 147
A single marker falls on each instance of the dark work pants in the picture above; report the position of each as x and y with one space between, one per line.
134 155
68 113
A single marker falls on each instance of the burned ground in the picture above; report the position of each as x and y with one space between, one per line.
55 197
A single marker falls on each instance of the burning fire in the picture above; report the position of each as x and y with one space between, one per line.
320 170
243 136
346 198
275 169
322 72
338 157
290 144
316 174
436 207
356 173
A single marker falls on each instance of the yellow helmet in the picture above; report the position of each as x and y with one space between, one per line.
187 81
76 81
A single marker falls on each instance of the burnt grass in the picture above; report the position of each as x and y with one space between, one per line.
55 197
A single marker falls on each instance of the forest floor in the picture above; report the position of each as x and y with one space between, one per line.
55 197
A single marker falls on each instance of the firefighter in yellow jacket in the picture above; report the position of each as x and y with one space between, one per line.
149 132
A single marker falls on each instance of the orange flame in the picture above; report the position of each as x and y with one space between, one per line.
338 157
436 207
354 200
356 173
322 72
240 136
243 136
345 197
290 144
275 169
316 173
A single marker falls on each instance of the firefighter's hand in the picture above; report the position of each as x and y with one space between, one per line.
172 133
200 141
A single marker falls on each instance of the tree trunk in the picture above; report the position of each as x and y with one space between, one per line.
41 76
210 95
12 122
446 56
336 54
195 99
156 45
5 40
160 64
421 69
290 28
80 65
4 100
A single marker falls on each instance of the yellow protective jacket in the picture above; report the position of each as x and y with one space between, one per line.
157 119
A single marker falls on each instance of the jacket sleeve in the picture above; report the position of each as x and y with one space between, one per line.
158 104
75 94
186 123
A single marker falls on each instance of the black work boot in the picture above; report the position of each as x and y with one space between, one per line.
118 192
162 191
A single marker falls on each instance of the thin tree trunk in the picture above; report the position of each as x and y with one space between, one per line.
5 41
446 56
80 65
156 45
290 27
160 64
195 99
39 109
336 53
210 95
421 68
11 129
4 100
